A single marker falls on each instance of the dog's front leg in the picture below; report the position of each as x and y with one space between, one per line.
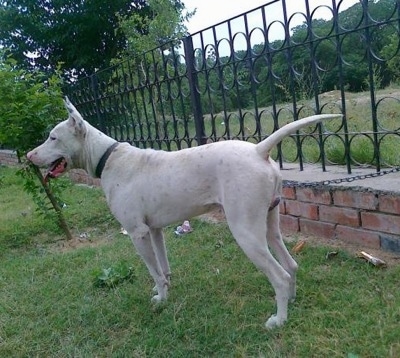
143 245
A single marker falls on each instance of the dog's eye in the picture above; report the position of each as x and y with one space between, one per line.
52 138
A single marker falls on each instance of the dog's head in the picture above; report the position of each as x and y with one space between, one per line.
62 149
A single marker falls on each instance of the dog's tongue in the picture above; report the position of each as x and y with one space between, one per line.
56 170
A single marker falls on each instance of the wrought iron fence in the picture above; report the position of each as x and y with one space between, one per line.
247 76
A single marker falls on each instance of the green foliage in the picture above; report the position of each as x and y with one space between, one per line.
164 22
113 275
19 220
390 53
30 104
20 225
33 187
83 36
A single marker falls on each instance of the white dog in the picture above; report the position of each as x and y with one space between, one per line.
148 189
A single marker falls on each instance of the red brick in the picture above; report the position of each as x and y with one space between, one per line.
355 199
381 222
288 193
360 237
317 228
343 216
289 224
305 210
389 204
314 195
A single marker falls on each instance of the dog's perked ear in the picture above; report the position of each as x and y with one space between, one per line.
75 119
68 105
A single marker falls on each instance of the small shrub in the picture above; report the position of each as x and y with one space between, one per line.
113 275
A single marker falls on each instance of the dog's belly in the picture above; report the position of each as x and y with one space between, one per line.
160 207
177 215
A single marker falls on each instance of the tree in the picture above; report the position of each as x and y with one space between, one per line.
163 22
81 35
30 104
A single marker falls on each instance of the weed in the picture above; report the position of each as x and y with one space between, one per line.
113 275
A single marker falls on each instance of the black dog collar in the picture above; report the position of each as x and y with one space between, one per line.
103 159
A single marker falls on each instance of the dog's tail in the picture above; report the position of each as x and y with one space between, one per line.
263 148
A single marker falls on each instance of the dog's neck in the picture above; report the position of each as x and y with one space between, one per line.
96 145
103 159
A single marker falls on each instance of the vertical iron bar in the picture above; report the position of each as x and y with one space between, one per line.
250 64
194 94
219 69
371 81
96 96
269 59
291 79
314 78
340 62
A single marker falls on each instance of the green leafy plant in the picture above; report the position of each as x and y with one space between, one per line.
30 105
113 275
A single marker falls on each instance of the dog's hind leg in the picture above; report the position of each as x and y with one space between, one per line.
144 246
158 242
250 234
274 239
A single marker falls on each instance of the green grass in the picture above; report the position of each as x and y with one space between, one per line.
21 225
50 305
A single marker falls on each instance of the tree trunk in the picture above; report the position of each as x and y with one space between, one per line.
63 224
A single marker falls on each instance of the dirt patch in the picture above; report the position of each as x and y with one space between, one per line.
87 238
391 259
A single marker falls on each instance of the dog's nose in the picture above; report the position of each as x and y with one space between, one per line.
29 155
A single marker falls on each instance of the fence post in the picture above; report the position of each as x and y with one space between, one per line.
95 89
371 84
194 94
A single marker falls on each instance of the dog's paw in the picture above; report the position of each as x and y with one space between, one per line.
274 322
157 299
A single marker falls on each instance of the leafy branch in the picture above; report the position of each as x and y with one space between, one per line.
32 174
30 105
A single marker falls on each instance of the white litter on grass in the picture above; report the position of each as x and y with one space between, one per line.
84 235
180 230
184 228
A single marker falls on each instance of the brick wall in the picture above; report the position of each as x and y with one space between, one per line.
8 157
369 218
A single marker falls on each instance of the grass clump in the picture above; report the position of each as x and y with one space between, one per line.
113 275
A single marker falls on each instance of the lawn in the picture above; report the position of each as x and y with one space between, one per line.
51 306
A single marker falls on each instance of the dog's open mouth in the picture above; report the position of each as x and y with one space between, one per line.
56 168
